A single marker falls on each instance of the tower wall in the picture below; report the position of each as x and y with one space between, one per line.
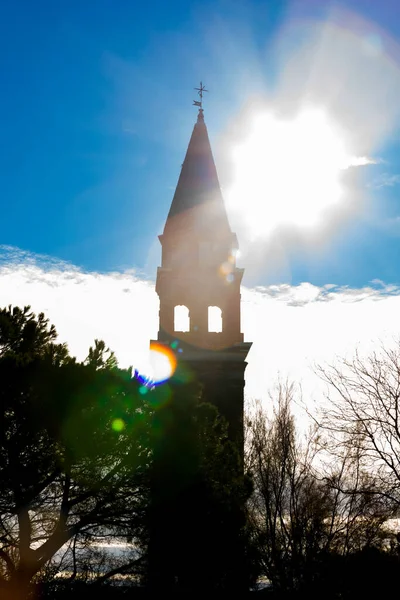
198 270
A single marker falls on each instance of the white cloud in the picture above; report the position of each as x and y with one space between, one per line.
295 327
291 327
120 308
361 161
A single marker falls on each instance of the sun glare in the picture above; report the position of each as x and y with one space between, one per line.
161 366
288 172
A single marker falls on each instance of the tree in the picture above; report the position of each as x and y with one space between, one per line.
198 495
88 454
74 449
363 420
306 521
289 506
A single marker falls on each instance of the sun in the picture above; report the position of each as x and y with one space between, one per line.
288 172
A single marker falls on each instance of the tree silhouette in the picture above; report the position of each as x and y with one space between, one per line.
73 448
363 420
308 521
87 453
198 491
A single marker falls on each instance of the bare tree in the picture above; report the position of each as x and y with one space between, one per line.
289 505
363 421
305 507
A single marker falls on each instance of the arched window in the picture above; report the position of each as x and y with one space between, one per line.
214 319
181 318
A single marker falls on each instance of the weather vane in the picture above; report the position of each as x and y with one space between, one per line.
200 90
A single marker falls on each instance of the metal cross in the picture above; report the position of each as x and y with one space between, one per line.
200 90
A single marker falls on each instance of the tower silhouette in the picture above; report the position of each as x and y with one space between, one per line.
195 540
198 272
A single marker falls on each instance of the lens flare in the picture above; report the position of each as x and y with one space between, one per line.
160 368
118 425
226 268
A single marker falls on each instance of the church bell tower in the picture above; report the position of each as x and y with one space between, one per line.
199 280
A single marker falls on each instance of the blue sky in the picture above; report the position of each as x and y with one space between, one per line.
96 115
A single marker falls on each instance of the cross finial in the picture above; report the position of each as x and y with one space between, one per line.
200 90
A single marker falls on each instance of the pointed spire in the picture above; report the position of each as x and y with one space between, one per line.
197 203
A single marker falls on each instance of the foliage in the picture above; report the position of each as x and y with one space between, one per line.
66 477
88 456
198 500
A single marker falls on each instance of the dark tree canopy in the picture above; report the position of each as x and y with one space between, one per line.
198 526
313 524
73 446
88 454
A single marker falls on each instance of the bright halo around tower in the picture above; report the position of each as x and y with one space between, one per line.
288 172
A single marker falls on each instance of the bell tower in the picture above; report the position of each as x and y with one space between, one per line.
198 279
